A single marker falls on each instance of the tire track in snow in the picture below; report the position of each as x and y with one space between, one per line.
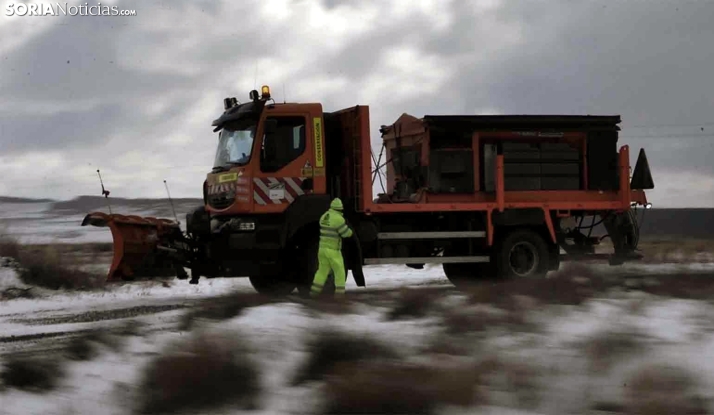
100 315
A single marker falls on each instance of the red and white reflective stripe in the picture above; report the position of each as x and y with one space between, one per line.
293 186
290 186
260 191
258 199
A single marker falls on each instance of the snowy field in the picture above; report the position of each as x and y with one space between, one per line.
36 222
570 348
551 358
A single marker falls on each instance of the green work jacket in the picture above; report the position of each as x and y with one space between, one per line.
332 229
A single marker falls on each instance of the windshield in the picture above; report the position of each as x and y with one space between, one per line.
235 145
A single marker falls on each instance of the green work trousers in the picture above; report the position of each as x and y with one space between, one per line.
329 260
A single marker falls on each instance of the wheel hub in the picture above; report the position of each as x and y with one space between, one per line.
523 258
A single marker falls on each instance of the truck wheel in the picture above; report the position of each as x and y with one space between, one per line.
523 254
460 275
271 285
463 275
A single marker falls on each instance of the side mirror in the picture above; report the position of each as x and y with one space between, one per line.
270 126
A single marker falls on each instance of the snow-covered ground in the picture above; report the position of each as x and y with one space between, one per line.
549 359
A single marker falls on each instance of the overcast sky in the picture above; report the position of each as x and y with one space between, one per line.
135 96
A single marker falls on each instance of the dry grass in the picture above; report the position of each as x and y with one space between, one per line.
460 322
50 266
12 293
87 248
412 303
392 387
517 378
85 346
607 347
576 283
662 389
678 251
379 387
203 372
490 308
50 269
330 349
560 288
329 305
682 285
129 328
450 345
9 247
32 373
223 308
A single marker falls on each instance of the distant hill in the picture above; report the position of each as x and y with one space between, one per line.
84 204
693 223
9 199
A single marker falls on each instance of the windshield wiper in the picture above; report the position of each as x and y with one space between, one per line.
227 166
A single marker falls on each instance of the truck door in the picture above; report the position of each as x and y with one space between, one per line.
290 147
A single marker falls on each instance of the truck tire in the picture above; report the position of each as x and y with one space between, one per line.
463 275
271 285
523 253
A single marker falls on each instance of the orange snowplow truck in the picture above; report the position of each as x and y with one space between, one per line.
499 196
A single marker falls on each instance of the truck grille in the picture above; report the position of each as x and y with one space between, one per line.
221 200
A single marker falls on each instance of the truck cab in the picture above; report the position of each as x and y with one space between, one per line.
268 154
269 184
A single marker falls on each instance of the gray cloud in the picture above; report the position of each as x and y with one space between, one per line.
139 93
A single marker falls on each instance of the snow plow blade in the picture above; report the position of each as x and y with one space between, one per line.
137 243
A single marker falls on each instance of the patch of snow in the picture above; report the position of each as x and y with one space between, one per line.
395 276
126 294
10 279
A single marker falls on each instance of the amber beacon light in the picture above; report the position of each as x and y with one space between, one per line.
265 91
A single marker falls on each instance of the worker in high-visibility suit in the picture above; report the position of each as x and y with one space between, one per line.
332 229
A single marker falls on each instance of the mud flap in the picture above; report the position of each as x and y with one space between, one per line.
624 233
353 258
136 243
